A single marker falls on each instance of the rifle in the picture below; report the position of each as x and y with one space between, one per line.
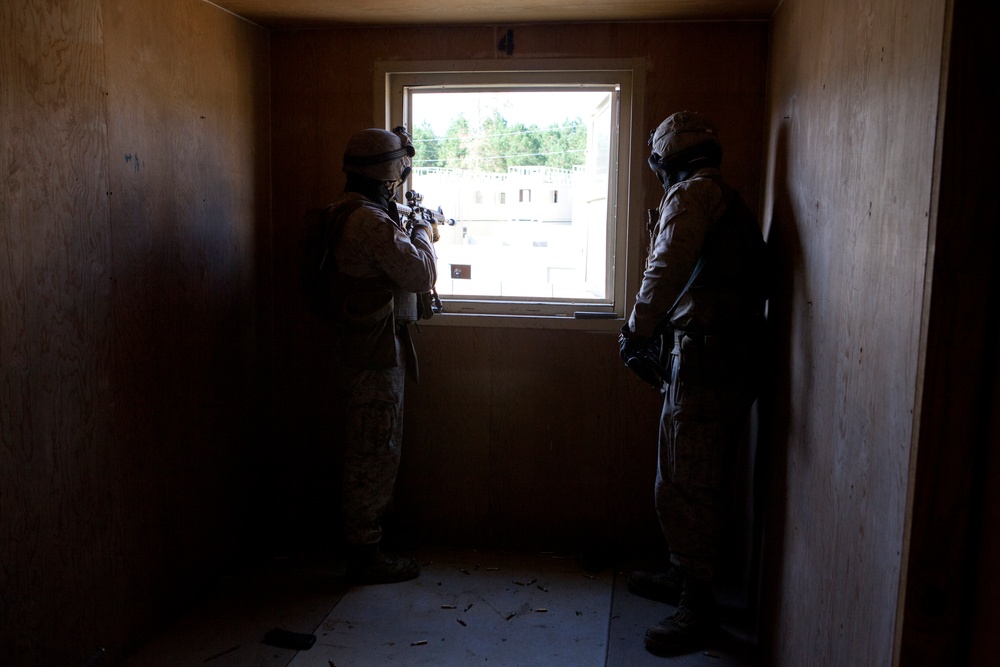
413 210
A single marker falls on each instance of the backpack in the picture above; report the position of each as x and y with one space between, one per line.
757 265
320 281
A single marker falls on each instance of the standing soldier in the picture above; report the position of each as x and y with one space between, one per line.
380 269
702 298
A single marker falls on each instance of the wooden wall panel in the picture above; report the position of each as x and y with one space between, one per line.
852 121
449 420
517 438
134 179
514 437
55 243
187 97
954 539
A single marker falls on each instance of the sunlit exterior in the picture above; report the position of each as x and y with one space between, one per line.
531 232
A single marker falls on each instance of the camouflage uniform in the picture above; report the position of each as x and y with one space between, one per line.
711 376
374 246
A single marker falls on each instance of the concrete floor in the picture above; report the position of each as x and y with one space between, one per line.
468 607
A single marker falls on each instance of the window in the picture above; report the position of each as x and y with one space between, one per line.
507 128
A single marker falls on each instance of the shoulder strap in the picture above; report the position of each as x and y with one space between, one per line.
700 264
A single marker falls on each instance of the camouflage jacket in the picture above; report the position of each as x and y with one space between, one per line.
717 301
373 245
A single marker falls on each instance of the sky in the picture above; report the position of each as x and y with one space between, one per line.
531 108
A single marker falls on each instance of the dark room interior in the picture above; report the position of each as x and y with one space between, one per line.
168 424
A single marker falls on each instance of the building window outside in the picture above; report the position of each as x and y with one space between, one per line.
481 131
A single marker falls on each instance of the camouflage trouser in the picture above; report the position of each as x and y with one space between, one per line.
374 416
701 425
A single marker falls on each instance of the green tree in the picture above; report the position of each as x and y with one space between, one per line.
524 146
564 145
497 145
495 149
507 145
455 146
427 146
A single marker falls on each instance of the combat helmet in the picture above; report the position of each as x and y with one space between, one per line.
379 154
684 142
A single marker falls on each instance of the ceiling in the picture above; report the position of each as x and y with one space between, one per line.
328 13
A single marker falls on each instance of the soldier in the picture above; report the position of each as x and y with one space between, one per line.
702 300
381 269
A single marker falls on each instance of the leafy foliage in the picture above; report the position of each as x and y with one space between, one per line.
498 144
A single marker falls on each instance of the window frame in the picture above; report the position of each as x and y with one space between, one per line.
390 81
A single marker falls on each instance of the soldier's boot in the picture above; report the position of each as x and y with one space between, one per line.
660 586
691 627
368 564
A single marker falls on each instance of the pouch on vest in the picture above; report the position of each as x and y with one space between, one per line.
406 309
369 330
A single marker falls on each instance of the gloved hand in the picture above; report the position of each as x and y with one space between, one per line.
630 344
635 352
429 229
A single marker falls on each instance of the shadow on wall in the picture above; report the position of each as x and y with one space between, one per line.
297 505
775 404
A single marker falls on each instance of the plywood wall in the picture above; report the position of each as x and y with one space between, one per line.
947 616
132 188
854 91
514 437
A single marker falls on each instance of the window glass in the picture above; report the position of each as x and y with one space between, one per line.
526 163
